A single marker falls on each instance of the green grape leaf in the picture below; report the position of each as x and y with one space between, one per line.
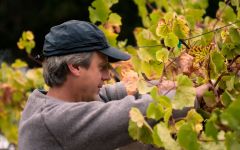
194 117
122 44
227 98
228 50
115 19
19 64
142 12
156 139
207 38
228 14
100 10
191 21
232 141
212 145
29 45
98 13
162 29
238 14
142 134
185 93
111 36
162 55
163 100
180 28
155 16
211 129
146 68
209 98
136 116
24 36
138 128
146 40
179 124
36 76
147 34
131 50
230 83
154 94
156 69
171 40
153 69
187 138
193 16
26 41
17 96
167 115
164 134
234 35
202 4
230 117
217 64
21 44
169 17
136 63
143 87
155 111
235 2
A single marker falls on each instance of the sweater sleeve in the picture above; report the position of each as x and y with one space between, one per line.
116 91
92 125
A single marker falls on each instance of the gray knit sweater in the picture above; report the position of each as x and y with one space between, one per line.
51 124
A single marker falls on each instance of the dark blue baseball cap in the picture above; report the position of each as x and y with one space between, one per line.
79 36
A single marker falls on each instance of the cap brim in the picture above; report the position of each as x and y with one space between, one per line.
115 55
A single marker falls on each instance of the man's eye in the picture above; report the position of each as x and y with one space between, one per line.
105 67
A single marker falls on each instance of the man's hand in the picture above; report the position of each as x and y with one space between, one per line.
186 62
200 90
130 79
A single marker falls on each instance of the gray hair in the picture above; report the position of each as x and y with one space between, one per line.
55 68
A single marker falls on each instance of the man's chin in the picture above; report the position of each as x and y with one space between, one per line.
91 98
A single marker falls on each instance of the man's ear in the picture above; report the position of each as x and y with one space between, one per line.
74 70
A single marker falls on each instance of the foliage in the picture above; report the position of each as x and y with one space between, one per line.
176 43
16 83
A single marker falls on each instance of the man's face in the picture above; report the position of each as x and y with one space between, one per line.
92 79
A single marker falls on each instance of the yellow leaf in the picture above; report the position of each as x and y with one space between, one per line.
20 44
29 35
136 116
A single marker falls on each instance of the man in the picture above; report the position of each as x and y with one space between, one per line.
72 115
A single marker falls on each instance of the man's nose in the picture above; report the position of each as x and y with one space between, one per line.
106 75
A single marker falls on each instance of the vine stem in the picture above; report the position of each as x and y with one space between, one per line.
224 73
149 5
219 78
234 59
170 90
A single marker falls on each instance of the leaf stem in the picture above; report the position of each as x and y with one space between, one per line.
32 58
234 59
